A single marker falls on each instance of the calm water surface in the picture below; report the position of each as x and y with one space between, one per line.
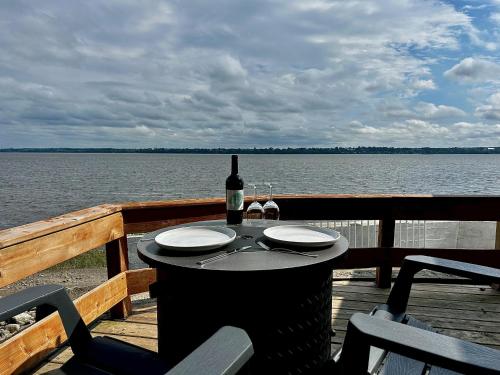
38 186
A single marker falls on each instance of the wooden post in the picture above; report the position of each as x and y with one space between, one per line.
386 241
497 246
117 262
497 242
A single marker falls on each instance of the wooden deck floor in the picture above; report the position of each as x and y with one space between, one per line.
464 311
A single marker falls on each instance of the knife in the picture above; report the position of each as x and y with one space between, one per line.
221 256
283 250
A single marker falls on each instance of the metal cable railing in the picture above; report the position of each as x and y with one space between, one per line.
364 233
417 233
359 233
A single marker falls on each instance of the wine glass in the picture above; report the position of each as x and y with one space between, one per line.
255 210
271 209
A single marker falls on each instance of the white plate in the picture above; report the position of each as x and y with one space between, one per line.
202 238
302 235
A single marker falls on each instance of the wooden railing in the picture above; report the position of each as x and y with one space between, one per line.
142 217
31 248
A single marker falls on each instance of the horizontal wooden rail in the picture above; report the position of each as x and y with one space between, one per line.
398 207
393 256
144 217
16 235
52 241
36 253
148 216
138 281
30 248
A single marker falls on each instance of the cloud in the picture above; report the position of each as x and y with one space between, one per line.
400 110
491 110
424 84
478 134
419 133
495 17
227 74
473 69
475 7
412 131
432 111
224 73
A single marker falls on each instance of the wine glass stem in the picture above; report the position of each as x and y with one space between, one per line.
255 193
270 192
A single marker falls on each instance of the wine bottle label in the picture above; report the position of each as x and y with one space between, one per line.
234 200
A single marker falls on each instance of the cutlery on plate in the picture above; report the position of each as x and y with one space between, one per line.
221 256
283 250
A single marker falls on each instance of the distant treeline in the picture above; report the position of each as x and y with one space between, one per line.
272 150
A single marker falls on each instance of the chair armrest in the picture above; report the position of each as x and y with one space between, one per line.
224 353
475 272
364 331
27 299
48 295
398 298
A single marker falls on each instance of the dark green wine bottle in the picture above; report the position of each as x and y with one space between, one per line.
234 194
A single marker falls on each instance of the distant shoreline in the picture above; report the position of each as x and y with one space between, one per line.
270 150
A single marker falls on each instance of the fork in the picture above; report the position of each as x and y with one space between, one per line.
221 256
283 250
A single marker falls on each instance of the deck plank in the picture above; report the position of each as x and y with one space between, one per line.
468 312
487 295
425 301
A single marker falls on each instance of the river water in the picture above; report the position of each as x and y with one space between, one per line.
36 186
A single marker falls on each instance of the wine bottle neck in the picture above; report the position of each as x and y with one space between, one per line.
234 164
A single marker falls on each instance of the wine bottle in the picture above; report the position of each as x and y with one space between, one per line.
234 194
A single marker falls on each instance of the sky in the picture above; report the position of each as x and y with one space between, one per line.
225 73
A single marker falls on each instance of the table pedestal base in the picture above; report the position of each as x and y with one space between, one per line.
287 316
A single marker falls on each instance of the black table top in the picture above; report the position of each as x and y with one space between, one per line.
253 259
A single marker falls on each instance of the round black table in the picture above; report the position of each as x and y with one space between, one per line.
282 300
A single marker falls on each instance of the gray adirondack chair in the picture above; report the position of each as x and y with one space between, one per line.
226 352
389 341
